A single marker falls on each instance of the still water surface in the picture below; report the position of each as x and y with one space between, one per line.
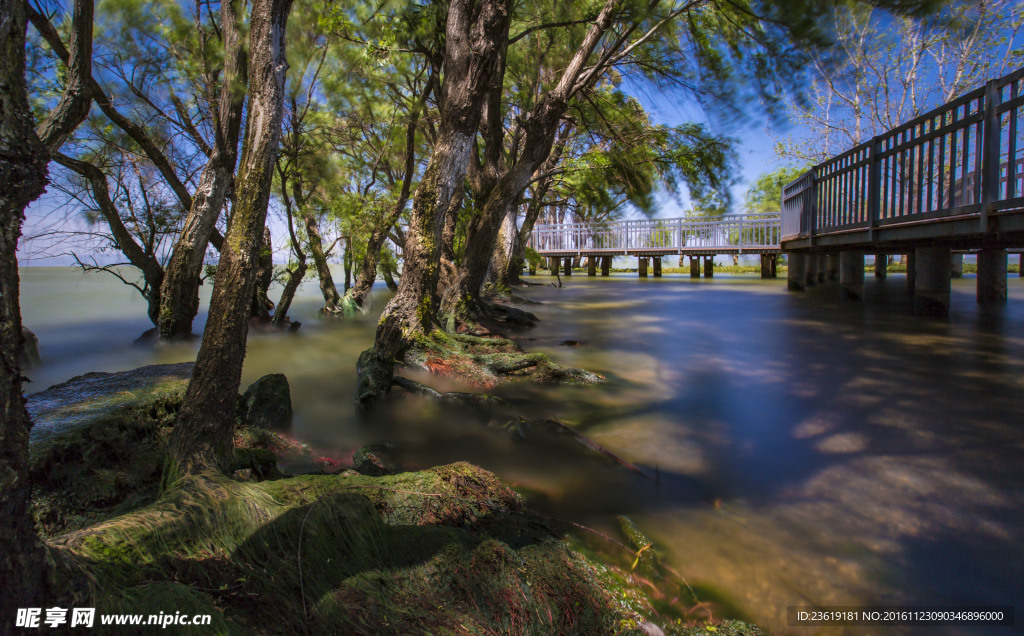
809 450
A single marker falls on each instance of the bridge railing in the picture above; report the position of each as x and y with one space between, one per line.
962 158
729 232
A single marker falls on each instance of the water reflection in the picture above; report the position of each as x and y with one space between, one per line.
809 450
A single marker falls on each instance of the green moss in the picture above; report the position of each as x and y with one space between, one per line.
435 551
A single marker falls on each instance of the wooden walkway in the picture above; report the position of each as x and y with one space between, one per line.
729 234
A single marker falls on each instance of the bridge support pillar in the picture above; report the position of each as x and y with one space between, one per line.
694 267
1020 266
591 266
992 276
957 270
811 271
832 267
797 280
932 267
606 265
642 267
823 268
881 265
567 269
911 262
851 274
767 266
709 266
657 266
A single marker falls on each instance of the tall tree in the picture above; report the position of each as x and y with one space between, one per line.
476 34
202 436
179 296
24 153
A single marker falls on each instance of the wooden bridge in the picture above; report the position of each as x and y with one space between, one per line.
949 180
656 238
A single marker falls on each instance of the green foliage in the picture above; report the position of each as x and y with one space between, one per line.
765 194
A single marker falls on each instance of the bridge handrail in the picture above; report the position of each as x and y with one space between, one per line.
948 162
732 231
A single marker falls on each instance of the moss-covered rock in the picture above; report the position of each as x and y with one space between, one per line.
267 403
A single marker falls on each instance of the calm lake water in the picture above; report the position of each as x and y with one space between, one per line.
810 450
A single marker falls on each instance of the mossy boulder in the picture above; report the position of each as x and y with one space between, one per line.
267 403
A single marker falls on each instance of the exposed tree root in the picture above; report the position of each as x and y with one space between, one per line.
472 399
527 428
489 361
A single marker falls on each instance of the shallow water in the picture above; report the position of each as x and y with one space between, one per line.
808 450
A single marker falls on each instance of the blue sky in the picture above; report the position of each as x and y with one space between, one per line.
754 146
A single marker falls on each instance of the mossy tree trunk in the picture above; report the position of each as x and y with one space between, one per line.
24 154
261 303
179 297
202 436
476 36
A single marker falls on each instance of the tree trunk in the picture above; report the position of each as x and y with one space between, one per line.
332 300
297 273
541 129
202 436
261 303
347 263
476 35
179 302
28 574
389 277
152 272
500 272
295 276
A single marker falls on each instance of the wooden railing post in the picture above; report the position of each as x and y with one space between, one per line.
989 156
812 223
874 187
